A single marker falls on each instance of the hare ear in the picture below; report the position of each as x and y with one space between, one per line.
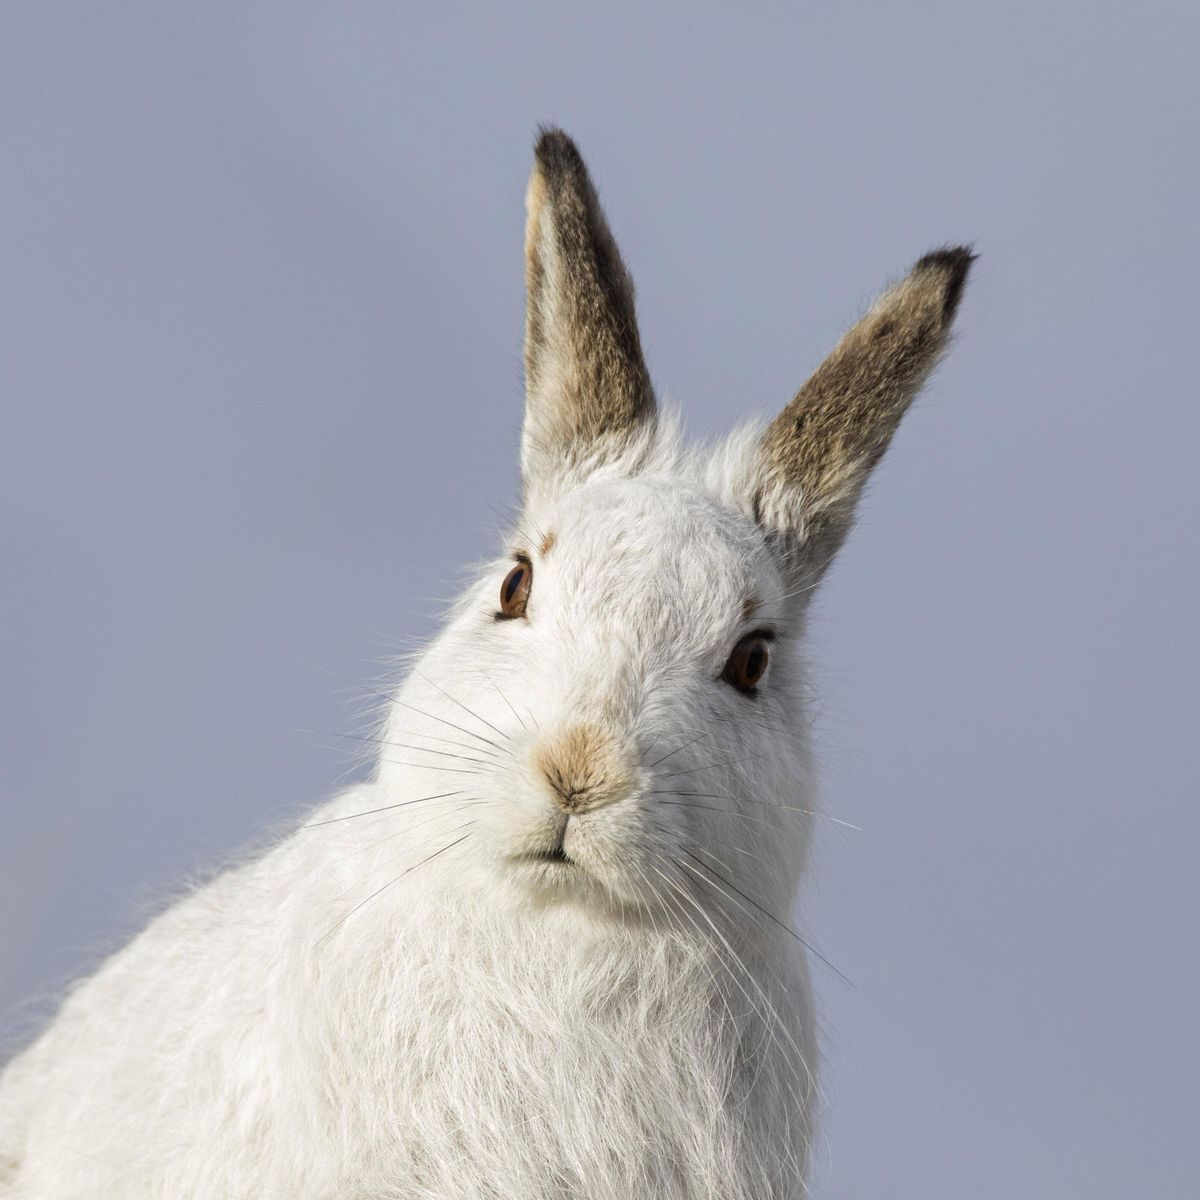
588 396
817 454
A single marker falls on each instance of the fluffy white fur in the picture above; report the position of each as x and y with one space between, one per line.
401 999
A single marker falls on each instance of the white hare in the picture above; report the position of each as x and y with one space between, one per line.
546 951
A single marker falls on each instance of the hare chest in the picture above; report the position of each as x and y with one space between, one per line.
455 1056
582 1071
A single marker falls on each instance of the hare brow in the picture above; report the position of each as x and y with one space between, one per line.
544 546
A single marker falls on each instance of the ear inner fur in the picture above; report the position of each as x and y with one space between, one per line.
586 383
819 451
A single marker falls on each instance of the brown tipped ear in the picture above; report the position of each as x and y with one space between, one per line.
587 391
818 452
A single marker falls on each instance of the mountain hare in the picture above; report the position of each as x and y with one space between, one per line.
547 950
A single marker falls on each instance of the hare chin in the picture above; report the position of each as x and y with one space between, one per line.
551 873
553 878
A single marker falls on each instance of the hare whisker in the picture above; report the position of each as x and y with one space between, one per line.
381 741
457 810
511 516
399 762
765 912
394 700
737 960
503 697
808 812
677 749
769 1020
415 847
455 700
723 812
378 741
673 907
379 891
776 1021
653 742
490 755
729 762
385 808
452 725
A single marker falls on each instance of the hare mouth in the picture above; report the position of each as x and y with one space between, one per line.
555 854
548 850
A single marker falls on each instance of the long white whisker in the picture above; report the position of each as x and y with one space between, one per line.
808 812
778 1021
677 749
385 808
399 762
503 697
469 711
379 891
765 912
452 725
381 741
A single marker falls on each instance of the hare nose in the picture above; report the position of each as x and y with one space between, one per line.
584 768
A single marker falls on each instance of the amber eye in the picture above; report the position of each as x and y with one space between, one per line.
748 662
514 591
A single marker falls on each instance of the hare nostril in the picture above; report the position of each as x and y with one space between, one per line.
569 796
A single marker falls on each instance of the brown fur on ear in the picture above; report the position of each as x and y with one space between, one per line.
819 451
586 384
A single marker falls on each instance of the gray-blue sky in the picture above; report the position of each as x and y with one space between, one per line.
261 376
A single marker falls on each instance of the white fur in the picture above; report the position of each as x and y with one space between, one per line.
389 1005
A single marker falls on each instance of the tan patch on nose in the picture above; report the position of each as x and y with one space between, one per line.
584 768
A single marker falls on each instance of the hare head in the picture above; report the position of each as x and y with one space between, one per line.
619 699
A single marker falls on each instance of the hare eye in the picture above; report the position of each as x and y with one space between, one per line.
748 662
514 591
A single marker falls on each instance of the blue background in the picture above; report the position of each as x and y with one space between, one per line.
260 268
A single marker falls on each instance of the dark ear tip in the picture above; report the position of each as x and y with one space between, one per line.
555 153
952 263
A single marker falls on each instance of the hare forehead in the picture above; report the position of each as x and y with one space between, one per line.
656 541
